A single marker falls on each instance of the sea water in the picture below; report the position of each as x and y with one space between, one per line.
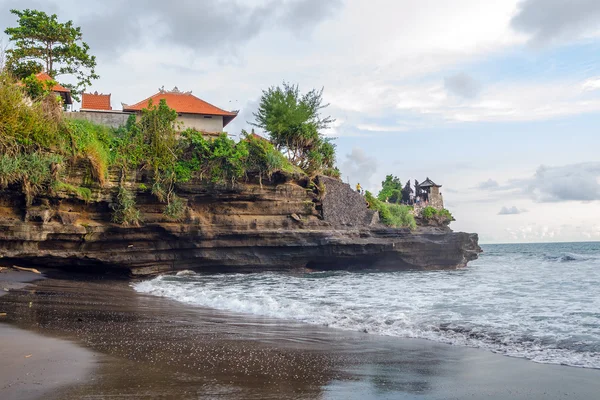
537 301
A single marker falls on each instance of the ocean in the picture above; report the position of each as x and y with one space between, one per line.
535 301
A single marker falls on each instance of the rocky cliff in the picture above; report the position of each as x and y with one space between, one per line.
281 224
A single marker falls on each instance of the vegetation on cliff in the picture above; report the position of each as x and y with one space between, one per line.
394 215
391 190
295 126
442 216
37 145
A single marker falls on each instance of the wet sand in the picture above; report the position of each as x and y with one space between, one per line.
147 347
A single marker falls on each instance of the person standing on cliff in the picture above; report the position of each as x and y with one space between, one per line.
358 188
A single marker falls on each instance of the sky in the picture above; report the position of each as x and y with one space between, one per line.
497 101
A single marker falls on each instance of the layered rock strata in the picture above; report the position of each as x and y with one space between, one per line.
281 224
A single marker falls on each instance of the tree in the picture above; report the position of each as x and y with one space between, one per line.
41 43
158 127
407 192
294 124
391 190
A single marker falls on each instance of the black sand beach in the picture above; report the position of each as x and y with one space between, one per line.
93 339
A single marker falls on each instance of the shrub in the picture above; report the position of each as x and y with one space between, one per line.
429 212
125 210
28 125
175 208
36 172
82 193
264 159
443 216
392 214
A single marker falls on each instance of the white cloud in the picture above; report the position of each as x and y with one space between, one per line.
579 182
591 84
358 167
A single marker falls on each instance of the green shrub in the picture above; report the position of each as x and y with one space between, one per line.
402 216
28 125
264 159
82 193
125 210
36 172
392 214
446 214
175 208
429 212
443 215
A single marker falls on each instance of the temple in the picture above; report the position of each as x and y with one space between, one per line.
192 112
426 193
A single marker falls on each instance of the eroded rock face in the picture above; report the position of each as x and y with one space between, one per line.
281 225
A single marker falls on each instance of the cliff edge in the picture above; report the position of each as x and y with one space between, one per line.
285 223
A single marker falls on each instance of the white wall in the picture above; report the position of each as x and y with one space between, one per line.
198 122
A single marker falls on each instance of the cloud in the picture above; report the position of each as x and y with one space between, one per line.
510 211
488 185
462 85
547 21
511 101
204 27
575 182
358 167
591 84
207 27
305 15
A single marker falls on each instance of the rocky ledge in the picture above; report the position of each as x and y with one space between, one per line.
282 224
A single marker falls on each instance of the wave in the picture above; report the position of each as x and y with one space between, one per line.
447 307
568 257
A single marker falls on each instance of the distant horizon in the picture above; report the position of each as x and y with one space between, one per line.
567 242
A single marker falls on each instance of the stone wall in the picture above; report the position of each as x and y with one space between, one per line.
344 206
113 119
435 198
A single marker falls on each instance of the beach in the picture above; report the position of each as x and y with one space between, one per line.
101 339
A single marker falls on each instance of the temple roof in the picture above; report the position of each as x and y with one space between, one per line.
184 103
43 77
428 183
57 88
95 101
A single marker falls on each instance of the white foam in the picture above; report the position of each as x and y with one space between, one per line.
541 310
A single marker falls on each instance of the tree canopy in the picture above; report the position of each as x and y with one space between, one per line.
42 43
294 124
391 190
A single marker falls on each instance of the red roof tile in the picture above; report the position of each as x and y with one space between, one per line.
95 101
42 76
257 136
184 103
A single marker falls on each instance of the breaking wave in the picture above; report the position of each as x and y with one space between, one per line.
538 302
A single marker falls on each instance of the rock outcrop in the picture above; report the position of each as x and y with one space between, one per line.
283 224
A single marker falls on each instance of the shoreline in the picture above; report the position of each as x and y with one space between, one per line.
151 345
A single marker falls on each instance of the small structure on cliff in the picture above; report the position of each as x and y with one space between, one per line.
427 193
192 111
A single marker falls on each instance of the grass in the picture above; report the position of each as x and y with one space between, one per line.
394 215
82 193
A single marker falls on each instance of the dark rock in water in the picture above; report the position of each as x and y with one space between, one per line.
242 228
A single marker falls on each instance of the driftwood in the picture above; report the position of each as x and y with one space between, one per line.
35 271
